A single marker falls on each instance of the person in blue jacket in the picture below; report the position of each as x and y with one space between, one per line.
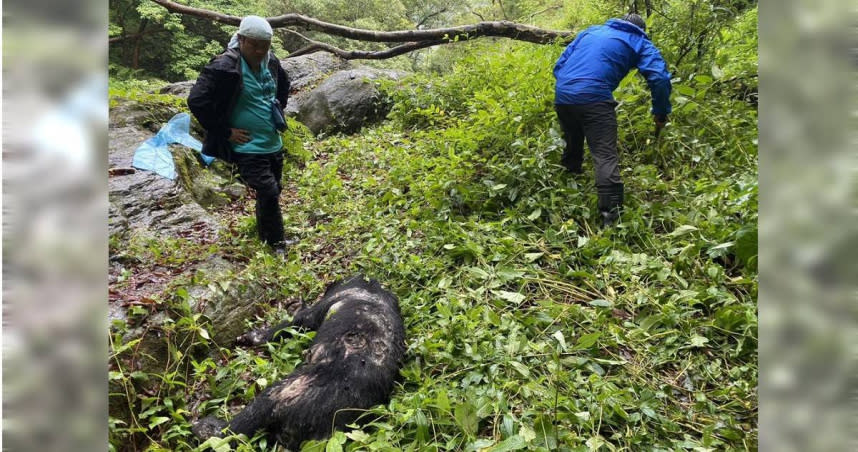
587 73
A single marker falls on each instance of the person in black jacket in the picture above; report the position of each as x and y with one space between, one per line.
234 100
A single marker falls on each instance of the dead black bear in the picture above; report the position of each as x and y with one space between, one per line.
352 365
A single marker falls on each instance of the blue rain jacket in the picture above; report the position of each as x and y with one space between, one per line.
592 66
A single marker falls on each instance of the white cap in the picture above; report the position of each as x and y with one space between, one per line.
255 27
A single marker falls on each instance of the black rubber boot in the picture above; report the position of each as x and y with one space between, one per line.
610 203
279 249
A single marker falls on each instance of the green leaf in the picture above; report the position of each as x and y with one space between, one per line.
335 444
703 79
204 333
514 442
216 444
520 368
530 257
466 417
722 246
527 433
587 340
506 274
444 283
158 420
595 442
684 89
562 340
682 230
600 303
717 72
535 214
698 341
746 245
442 401
478 272
481 444
512 297
358 436
546 433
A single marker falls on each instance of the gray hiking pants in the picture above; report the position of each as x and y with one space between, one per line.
598 124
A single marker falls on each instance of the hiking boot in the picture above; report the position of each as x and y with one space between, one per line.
574 170
610 203
281 247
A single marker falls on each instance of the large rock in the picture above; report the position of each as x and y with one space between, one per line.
210 187
306 71
142 202
179 89
346 101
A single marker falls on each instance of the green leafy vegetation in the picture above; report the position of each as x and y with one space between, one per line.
529 328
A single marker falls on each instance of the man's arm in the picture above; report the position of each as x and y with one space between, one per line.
283 86
654 69
201 102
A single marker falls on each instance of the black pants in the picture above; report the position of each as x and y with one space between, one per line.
598 124
262 172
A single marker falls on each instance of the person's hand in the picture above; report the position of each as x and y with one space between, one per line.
239 136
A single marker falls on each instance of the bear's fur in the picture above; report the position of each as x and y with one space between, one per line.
352 365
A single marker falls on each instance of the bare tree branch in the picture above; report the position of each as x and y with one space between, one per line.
550 8
504 29
316 46
423 20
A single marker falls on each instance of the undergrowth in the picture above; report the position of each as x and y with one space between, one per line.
529 328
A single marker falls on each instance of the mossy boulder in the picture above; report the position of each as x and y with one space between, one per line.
215 186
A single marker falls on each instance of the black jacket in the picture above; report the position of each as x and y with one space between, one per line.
215 93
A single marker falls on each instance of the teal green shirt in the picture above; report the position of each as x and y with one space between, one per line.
252 112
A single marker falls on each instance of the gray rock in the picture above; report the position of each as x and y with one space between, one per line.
207 186
346 101
306 71
228 307
179 89
133 114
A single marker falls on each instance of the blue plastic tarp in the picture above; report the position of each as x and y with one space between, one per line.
154 154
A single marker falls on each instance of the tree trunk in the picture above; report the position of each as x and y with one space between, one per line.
135 64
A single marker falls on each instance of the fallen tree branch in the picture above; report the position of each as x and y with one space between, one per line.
413 39
315 46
